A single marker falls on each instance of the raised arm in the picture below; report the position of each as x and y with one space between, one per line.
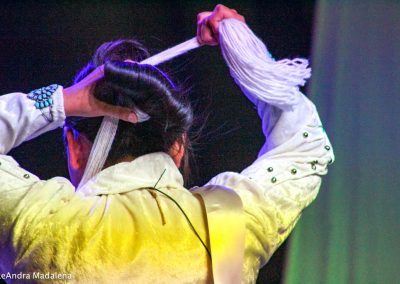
285 177
26 116
21 121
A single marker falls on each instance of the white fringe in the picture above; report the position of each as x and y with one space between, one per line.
258 75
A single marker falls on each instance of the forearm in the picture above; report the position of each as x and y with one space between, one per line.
285 178
297 149
21 121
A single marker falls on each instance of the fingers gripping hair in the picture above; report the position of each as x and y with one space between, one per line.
145 87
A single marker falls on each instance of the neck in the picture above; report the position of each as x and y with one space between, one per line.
128 158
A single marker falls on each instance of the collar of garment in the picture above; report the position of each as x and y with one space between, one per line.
142 172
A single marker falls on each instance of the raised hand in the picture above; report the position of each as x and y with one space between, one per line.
208 23
79 100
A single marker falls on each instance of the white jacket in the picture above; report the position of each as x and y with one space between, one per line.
122 230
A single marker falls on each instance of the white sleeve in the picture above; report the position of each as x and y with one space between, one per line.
290 121
285 177
20 120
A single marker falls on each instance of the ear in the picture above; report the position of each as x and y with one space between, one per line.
177 151
78 149
72 148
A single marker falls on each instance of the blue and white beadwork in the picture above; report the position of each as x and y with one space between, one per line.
42 96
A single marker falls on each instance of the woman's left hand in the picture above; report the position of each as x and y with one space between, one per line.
208 23
79 100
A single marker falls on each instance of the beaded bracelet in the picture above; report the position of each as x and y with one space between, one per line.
43 100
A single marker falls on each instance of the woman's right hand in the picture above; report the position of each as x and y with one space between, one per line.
79 100
208 23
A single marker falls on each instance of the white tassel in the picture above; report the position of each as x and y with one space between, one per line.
258 75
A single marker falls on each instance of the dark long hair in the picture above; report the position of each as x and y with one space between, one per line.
140 86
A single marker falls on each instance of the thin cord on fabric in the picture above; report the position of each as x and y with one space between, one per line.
183 212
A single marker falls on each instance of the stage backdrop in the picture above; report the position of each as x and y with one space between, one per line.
351 233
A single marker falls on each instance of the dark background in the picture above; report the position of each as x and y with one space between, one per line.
47 42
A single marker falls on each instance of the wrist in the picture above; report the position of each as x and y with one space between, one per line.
43 100
70 103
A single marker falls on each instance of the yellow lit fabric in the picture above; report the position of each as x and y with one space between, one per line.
130 234
225 221
116 228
